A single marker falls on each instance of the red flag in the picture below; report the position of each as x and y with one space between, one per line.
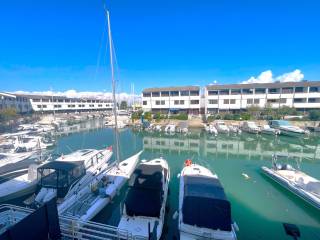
109 148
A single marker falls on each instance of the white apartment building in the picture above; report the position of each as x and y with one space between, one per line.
172 99
44 103
234 97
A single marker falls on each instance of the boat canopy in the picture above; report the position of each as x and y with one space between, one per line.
60 175
145 194
205 204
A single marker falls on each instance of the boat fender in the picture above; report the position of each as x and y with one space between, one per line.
188 163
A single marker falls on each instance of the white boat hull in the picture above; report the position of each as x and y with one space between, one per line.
309 198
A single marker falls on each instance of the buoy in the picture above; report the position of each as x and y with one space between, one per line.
188 163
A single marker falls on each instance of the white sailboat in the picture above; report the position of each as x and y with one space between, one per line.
88 202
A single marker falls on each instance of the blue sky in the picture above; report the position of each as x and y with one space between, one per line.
55 44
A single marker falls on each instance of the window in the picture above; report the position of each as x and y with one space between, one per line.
38 106
88 101
226 101
224 92
299 100
260 90
174 93
194 101
232 101
249 101
67 100
99 105
256 101
235 91
144 103
272 100
79 105
165 94
213 92
274 90
283 100
146 94
36 100
194 93
45 100
213 101
182 102
163 102
60 100
57 106
157 102
176 102
247 91
71 106
287 90
314 89
299 89
313 100
184 93
44 106
155 94
91 105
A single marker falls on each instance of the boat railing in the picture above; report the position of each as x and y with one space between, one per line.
71 228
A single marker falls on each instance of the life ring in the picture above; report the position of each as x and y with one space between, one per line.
188 163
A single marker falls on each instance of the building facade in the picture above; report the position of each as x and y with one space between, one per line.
235 97
24 103
172 99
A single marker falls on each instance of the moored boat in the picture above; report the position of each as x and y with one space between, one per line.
287 129
250 127
266 129
204 210
145 203
221 127
299 183
88 202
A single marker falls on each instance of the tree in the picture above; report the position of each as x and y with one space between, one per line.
254 111
8 114
285 110
123 105
314 115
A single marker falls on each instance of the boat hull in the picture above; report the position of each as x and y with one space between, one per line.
294 190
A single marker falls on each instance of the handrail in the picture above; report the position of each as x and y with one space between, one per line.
71 228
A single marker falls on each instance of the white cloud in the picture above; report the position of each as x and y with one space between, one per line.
295 76
264 77
267 77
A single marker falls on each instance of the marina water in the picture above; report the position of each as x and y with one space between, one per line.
259 206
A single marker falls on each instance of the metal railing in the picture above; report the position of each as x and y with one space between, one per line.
71 228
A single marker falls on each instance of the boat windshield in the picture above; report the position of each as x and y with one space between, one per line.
283 123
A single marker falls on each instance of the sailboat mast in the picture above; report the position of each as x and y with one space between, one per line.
113 91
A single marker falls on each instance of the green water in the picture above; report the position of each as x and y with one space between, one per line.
259 206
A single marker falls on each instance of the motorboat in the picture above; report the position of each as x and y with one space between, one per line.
221 127
145 202
24 183
183 127
210 128
88 202
204 210
170 128
266 129
250 127
299 183
13 158
233 128
70 173
287 129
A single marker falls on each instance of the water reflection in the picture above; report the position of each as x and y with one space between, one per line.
252 146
